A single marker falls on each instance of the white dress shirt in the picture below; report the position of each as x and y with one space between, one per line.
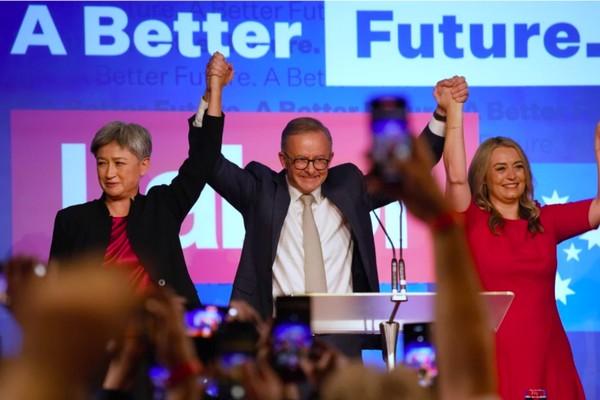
336 244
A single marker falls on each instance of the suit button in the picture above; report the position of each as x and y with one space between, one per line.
161 282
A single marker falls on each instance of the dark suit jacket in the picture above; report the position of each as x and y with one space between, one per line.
154 220
261 196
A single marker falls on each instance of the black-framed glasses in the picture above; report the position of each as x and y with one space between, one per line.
319 163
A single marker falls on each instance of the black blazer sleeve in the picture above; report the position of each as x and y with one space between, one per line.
435 143
204 148
59 238
237 185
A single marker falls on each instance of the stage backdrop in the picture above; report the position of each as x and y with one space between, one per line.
68 68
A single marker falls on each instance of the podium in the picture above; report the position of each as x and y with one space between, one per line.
362 312
367 313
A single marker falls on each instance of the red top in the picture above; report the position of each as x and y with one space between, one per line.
532 348
120 254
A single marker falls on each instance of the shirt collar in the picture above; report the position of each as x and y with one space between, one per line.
295 193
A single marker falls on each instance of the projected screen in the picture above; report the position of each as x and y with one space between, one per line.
68 68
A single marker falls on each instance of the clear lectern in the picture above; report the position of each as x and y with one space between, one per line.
362 313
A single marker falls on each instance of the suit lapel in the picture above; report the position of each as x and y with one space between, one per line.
335 192
281 204
341 200
102 222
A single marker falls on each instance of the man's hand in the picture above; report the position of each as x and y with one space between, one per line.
443 95
459 89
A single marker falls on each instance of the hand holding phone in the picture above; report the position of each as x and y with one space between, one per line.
391 135
291 337
204 321
419 351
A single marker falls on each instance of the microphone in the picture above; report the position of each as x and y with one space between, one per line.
398 267
401 264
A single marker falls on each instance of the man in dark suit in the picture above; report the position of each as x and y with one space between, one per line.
278 206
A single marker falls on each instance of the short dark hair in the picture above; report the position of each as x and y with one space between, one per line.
303 125
133 137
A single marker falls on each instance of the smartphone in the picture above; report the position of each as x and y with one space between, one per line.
236 343
419 351
204 322
391 134
291 337
202 325
233 344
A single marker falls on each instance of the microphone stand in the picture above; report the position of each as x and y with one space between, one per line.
389 329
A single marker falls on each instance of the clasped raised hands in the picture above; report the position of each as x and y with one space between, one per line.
219 72
451 91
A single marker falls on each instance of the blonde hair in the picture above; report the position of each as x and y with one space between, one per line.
528 209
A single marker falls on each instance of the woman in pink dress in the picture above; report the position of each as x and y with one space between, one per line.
513 241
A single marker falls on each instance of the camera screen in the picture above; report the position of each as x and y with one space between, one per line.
233 359
203 322
419 351
291 342
291 339
390 128
291 336
388 117
390 132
